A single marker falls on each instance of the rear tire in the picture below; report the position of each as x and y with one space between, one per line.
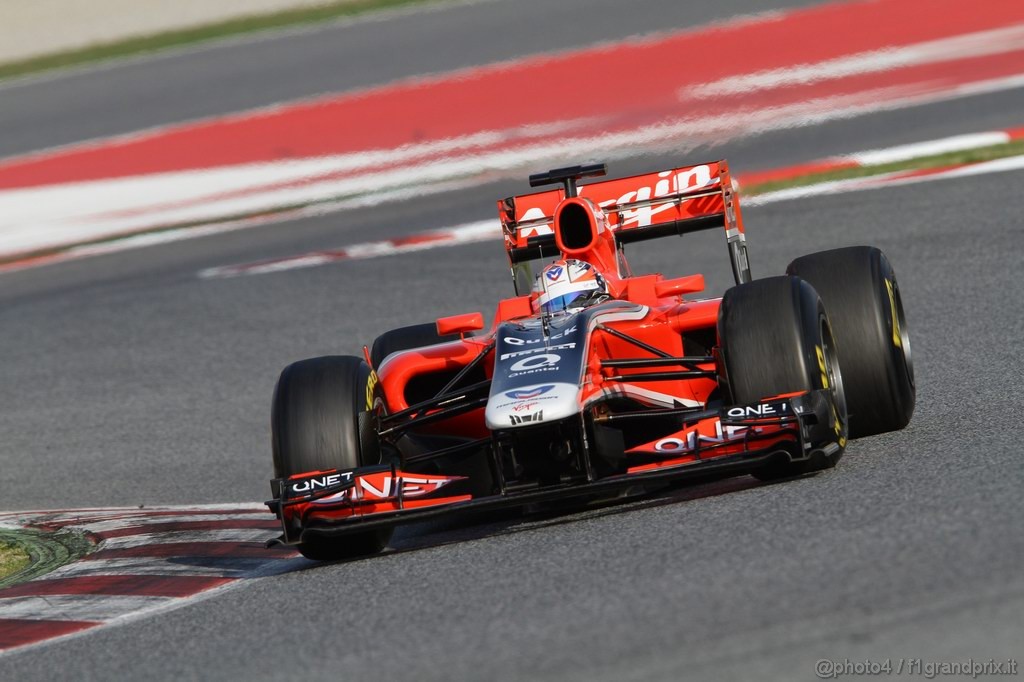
318 423
770 334
406 338
859 290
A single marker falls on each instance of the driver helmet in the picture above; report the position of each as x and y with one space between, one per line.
567 284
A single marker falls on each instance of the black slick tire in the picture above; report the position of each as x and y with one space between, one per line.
319 423
774 338
859 289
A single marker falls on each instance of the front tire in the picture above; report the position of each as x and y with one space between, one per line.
775 338
858 286
318 423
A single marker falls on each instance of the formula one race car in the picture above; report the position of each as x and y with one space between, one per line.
592 381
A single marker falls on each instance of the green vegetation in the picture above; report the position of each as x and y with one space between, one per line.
27 554
189 36
13 558
998 151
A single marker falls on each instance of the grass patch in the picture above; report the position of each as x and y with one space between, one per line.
200 34
26 554
958 158
13 558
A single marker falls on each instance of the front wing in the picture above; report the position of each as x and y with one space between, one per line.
728 440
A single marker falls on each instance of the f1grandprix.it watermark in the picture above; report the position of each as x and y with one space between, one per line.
828 669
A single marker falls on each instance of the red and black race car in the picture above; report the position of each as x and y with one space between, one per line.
592 380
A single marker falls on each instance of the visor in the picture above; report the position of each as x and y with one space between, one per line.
560 303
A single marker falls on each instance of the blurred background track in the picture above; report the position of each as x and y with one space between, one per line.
506 118
38 27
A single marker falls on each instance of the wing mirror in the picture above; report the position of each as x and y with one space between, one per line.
460 324
690 284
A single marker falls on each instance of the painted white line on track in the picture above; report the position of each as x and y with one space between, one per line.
142 522
487 230
957 143
40 218
1012 163
82 607
136 241
189 536
190 564
980 44
484 230
71 514
267 569
510 163
817 189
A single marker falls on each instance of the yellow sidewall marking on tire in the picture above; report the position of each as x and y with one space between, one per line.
837 425
838 428
371 383
896 336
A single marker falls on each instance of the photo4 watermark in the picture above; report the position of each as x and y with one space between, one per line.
829 669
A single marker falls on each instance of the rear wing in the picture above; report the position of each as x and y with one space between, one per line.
640 207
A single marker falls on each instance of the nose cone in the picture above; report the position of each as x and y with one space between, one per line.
531 405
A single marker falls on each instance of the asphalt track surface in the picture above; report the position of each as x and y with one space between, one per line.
127 380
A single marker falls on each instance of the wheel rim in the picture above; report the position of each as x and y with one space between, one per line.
901 320
832 369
